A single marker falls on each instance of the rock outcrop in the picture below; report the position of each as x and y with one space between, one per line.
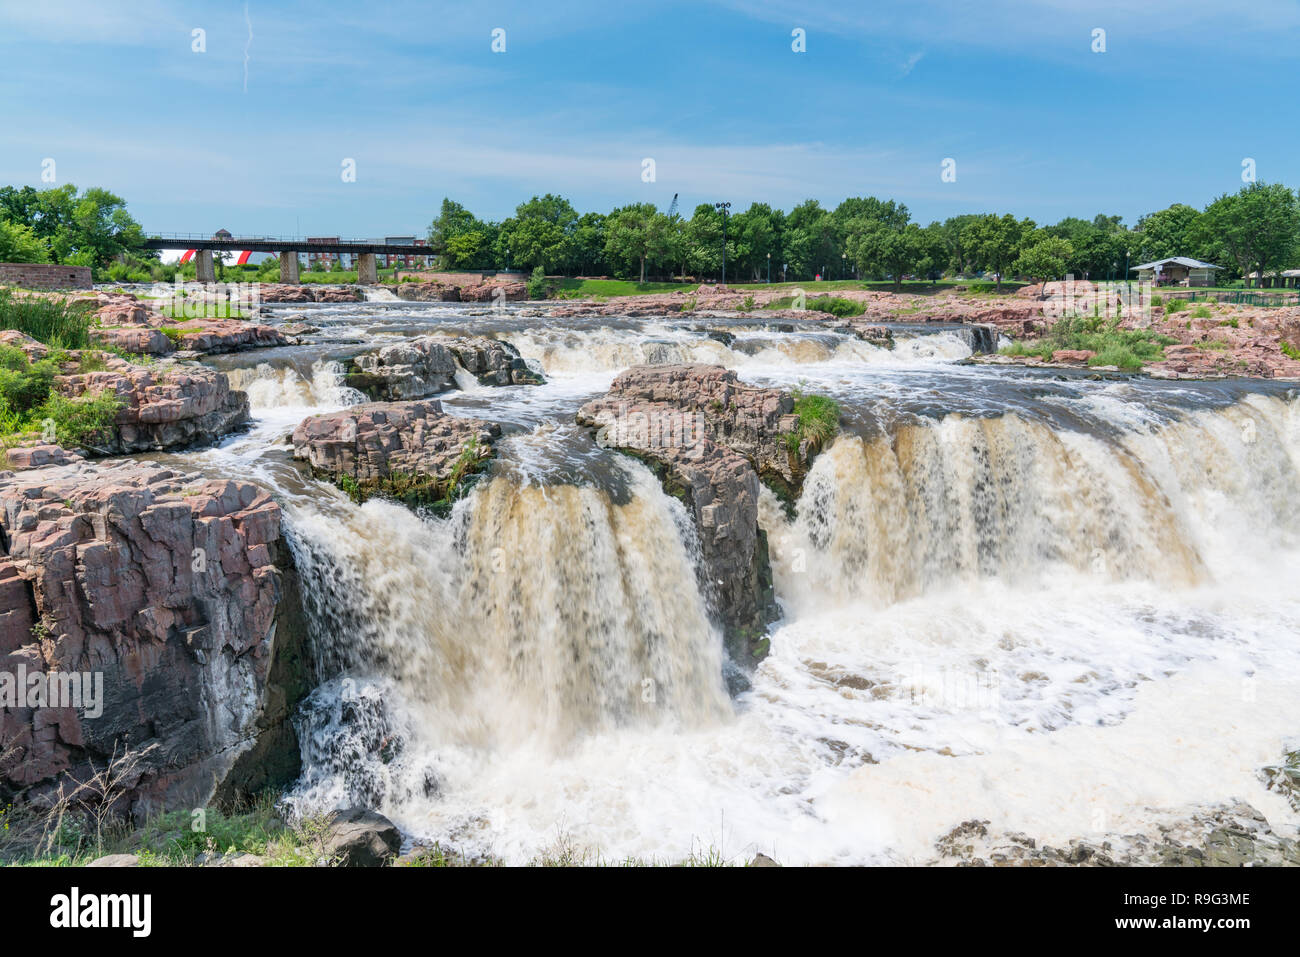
165 405
130 325
410 451
276 292
711 439
173 601
422 367
357 837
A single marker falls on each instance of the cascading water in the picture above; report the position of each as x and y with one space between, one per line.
1060 605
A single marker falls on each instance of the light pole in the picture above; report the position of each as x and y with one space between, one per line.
723 207
844 258
769 268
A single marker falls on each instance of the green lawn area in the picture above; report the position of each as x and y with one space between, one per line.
593 288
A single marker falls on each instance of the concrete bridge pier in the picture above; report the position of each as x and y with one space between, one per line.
367 272
204 268
289 266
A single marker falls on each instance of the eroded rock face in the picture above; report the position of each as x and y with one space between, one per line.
428 292
710 438
178 596
422 367
168 405
412 451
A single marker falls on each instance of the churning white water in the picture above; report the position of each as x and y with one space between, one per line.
1067 608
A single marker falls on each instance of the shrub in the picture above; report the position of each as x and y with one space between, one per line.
1175 305
1201 312
537 284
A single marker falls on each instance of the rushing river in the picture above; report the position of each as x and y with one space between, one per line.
1063 605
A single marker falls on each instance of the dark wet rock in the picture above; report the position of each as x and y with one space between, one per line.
711 439
358 837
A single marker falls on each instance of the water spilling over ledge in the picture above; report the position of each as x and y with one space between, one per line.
1020 595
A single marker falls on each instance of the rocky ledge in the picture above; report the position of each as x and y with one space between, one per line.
411 451
466 291
174 603
1232 835
163 405
275 292
422 367
712 439
130 325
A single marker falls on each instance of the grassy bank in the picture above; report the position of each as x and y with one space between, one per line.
53 321
1128 349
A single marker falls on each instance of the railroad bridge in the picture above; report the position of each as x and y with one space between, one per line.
364 250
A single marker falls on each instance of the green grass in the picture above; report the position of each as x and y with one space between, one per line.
1175 305
209 310
819 419
1202 312
597 288
834 305
174 839
53 321
1129 349
1292 352
30 409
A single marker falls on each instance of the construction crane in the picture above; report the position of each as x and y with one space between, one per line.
672 207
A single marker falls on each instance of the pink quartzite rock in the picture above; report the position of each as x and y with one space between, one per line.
373 445
710 438
165 405
178 593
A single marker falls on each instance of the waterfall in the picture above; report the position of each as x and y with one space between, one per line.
272 387
531 617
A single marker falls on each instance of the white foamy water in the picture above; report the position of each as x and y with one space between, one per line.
1072 631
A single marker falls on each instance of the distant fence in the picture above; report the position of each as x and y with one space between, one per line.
1236 298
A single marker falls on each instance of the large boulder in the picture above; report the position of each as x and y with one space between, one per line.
357 837
418 368
165 405
411 451
173 600
428 292
711 439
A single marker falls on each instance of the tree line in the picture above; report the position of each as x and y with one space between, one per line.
1255 229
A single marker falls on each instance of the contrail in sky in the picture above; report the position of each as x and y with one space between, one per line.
247 45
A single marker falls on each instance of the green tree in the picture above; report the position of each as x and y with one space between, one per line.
1175 231
538 232
995 242
882 248
1044 257
1258 227
637 233
20 244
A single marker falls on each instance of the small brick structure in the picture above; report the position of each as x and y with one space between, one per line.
44 276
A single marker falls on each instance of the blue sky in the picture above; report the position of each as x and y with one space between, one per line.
1038 124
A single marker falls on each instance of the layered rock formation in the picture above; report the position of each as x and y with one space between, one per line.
173 601
276 292
127 324
711 439
411 451
167 405
418 368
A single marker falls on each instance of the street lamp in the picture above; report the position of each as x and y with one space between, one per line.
844 258
769 268
723 207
